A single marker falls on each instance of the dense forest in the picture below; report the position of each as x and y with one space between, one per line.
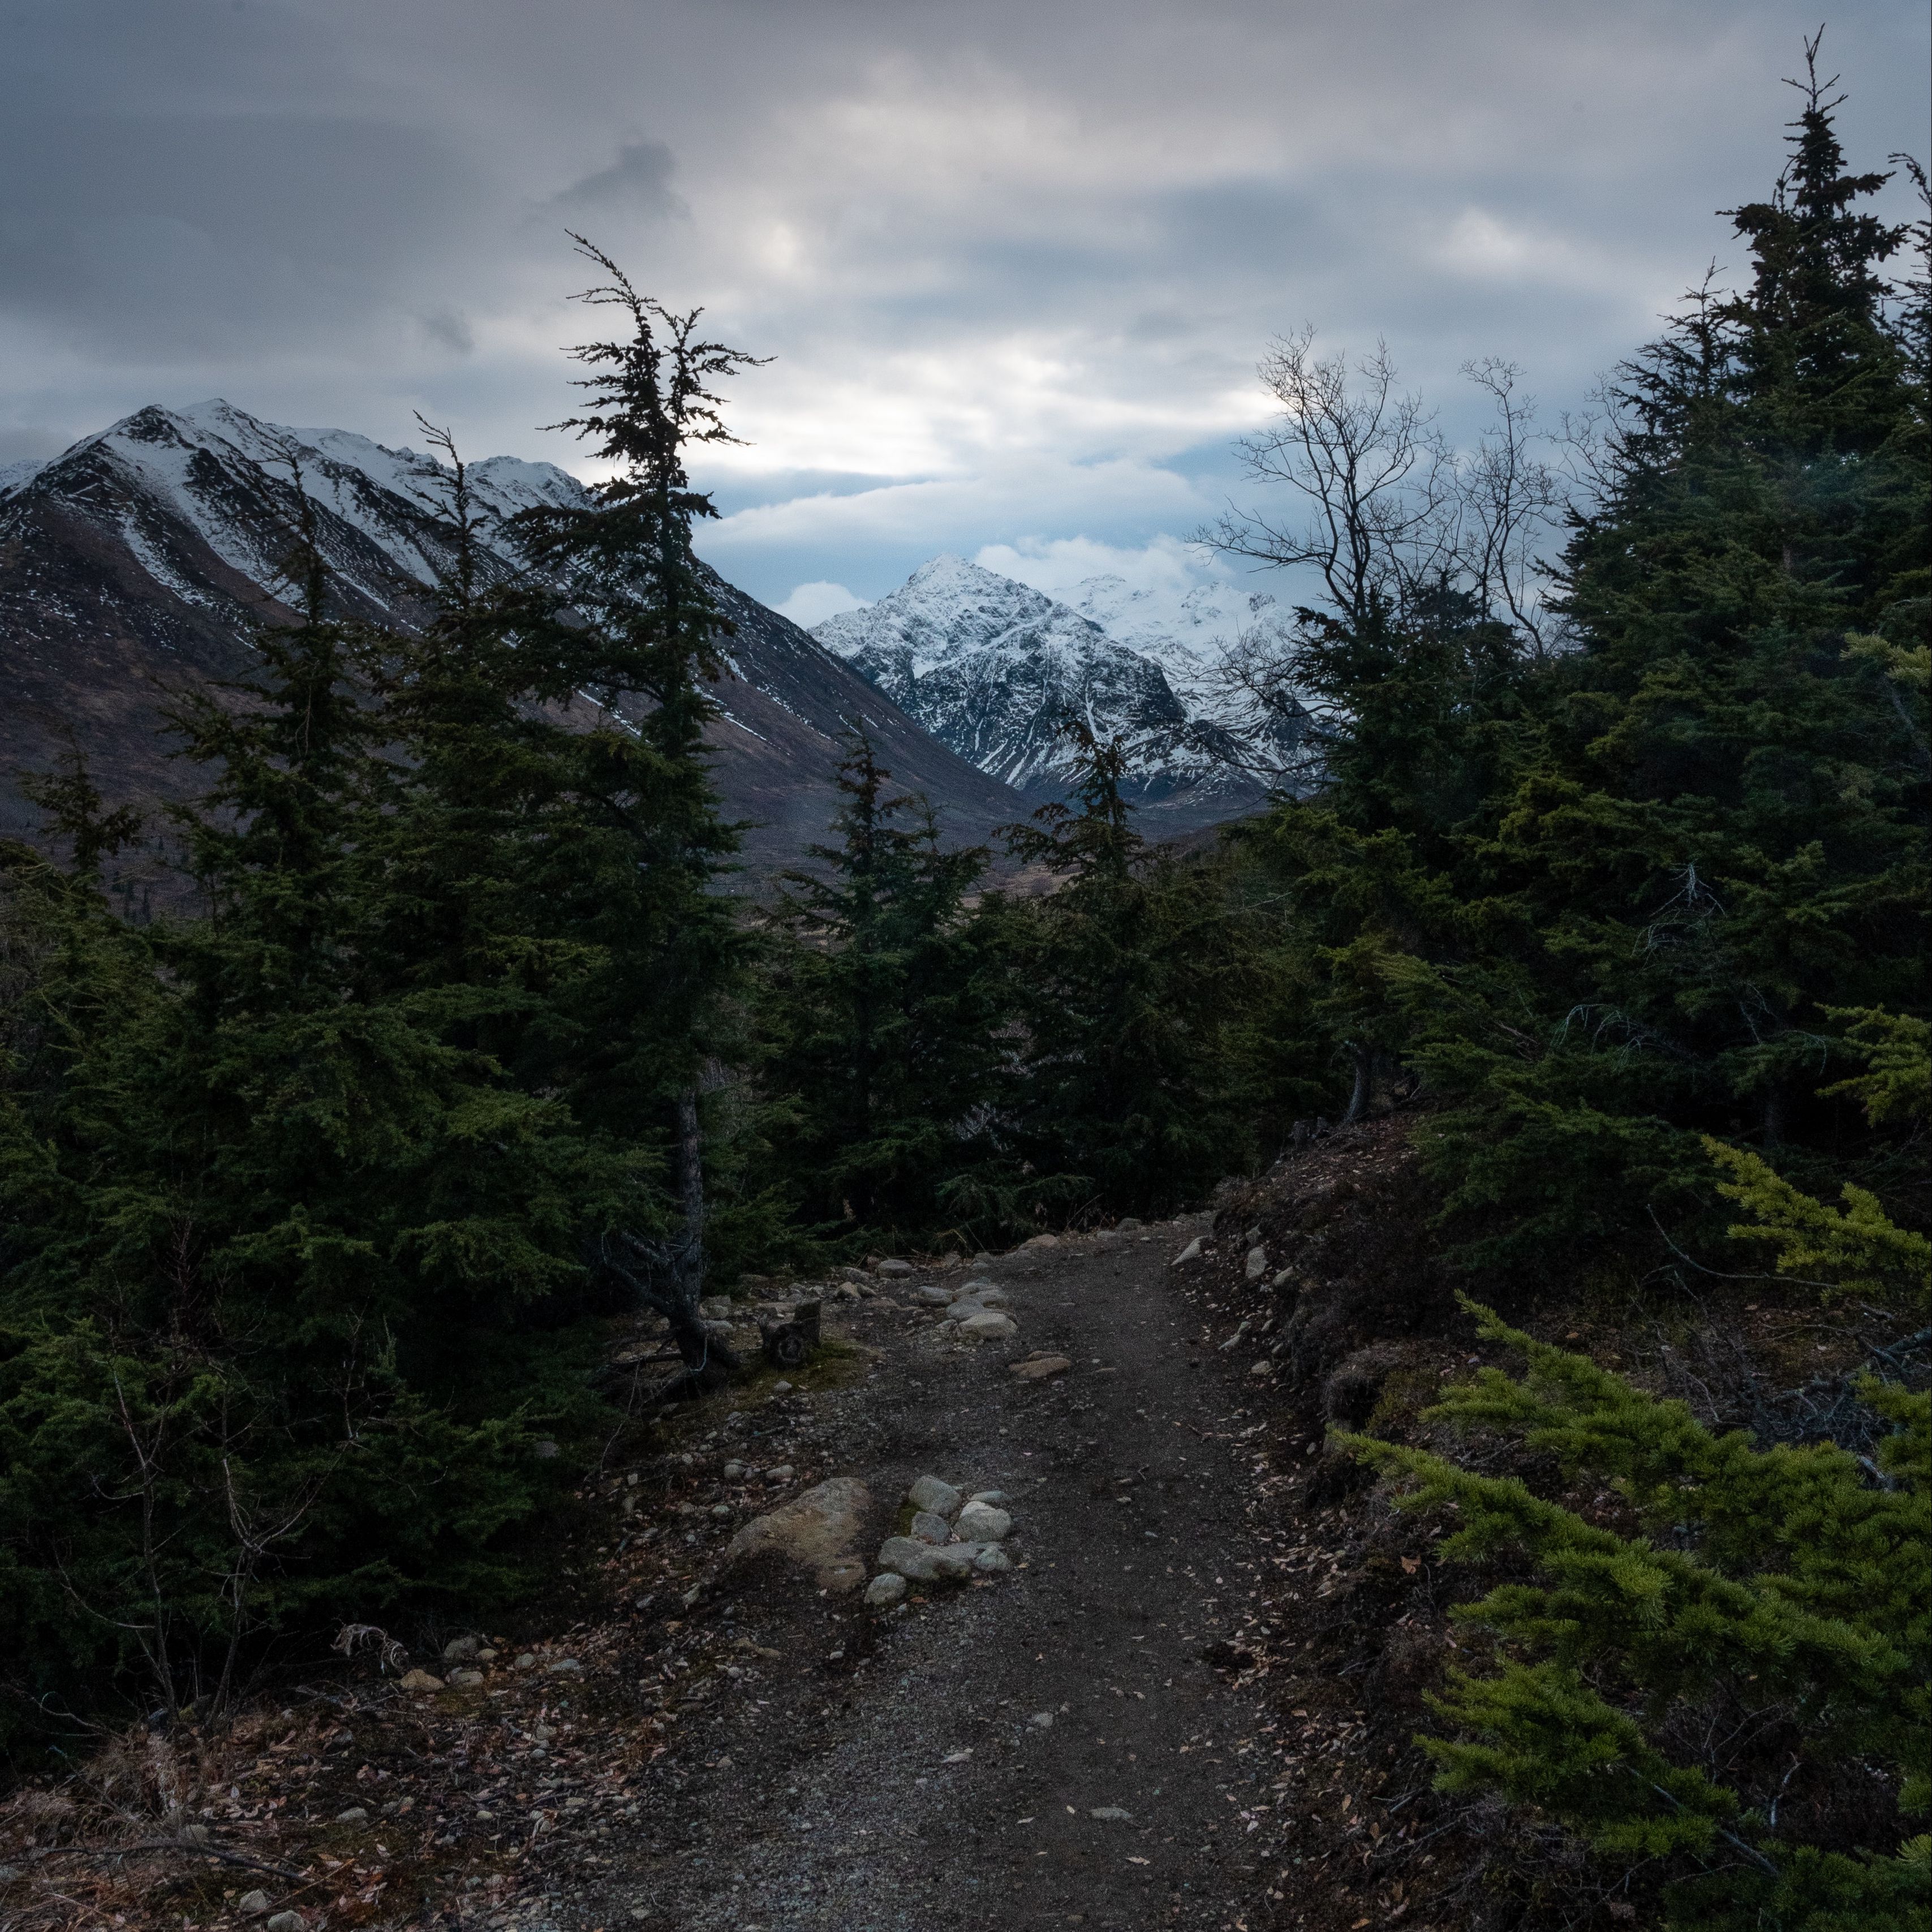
1609 873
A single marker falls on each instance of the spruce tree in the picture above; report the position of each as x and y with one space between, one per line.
633 848
1601 904
1128 974
882 1008
1734 1701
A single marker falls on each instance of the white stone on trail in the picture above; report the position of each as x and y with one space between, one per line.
1191 1252
252 1904
896 1267
1257 1263
930 1493
991 1560
1041 1720
886 1589
981 1522
955 1562
997 1497
989 1326
1042 1241
934 1298
928 1528
1113 1814
421 1680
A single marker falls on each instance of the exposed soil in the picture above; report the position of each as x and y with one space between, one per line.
892 1771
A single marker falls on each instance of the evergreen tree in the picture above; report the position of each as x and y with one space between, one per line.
883 1008
634 847
1735 1701
1128 974
1601 902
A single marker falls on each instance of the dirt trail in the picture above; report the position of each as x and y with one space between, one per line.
894 1773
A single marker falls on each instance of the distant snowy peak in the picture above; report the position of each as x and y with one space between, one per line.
228 477
993 666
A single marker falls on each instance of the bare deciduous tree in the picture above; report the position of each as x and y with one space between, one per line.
1389 516
1369 471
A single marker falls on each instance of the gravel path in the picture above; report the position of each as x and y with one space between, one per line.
1051 1748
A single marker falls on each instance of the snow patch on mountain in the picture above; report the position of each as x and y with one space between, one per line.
993 667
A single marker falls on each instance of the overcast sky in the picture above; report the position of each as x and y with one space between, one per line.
1015 262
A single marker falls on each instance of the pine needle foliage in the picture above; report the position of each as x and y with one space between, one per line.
310 1204
1601 902
885 999
1733 1701
1128 974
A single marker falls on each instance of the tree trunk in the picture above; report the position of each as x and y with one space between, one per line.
1358 1101
707 1361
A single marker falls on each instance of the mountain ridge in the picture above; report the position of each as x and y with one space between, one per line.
991 666
137 563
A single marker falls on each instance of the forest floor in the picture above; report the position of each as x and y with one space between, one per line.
1193 1704
1069 1743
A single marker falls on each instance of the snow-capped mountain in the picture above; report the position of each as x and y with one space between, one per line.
141 559
992 666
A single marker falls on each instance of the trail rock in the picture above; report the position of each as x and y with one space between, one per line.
906 1557
989 1326
286 1922
1038 1368
421 1680
816 1530
466 1680
997 1497
458 1649
1042 1241
991 1560
954 1564
934 1298
252 1904
930 1493
1257 1265
897 1267
981 1522
928 1528
1191 1252
886 1589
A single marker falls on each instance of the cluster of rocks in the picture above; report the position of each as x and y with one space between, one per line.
951 1538
975 1312
468 1661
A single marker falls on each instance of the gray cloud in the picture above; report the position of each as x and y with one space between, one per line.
1016 263
638 182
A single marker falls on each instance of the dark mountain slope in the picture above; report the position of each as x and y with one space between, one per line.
135 565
